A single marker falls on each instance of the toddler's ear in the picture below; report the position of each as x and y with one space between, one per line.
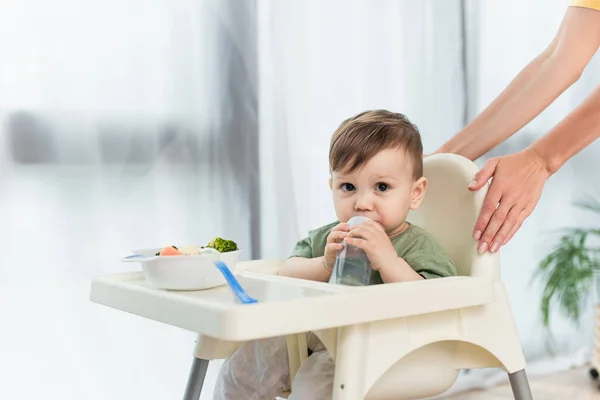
330 184
418 192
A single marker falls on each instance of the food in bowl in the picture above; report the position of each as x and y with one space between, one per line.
188 267
218 243
190 250
222 245
179 251
169 251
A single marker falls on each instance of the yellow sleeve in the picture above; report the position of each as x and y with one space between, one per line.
593 4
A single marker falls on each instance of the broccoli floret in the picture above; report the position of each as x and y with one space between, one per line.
222 245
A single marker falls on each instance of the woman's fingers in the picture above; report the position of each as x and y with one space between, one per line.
484 174
517 184
513 230
498 240
490 205
522 216
496 220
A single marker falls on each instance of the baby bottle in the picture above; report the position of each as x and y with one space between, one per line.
352 266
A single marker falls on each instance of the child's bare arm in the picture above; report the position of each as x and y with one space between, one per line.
399 271
317 268
306 268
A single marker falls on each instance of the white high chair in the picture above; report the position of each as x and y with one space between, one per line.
396 341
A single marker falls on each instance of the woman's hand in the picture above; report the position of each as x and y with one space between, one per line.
518 180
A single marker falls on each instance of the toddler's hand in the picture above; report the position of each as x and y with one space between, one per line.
334 243
371 237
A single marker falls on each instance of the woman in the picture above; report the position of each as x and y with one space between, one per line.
518 179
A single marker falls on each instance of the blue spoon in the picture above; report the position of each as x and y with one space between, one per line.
235 286
138 258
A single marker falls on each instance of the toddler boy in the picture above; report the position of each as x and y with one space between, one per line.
376 166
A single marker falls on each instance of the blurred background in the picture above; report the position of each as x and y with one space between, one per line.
129 124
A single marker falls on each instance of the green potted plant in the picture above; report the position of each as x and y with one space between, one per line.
569 272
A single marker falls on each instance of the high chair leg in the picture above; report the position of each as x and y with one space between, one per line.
196 379
520 385
349 380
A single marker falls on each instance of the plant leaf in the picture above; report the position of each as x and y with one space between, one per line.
567 274
589 203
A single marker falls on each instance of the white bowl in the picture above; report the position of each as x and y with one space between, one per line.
184 272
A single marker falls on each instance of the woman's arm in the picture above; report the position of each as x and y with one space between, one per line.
519 178
538 85
574 133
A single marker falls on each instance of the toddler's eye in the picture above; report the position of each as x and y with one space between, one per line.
382 187
347 187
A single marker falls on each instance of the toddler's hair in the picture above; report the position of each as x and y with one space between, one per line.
361 137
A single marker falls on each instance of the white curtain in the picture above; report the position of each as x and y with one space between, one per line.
125 124
322 62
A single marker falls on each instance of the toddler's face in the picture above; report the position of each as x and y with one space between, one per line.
383 190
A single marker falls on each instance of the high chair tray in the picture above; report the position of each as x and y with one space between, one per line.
285 305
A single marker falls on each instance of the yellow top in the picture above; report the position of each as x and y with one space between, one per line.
594 4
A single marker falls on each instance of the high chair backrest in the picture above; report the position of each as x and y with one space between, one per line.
449 211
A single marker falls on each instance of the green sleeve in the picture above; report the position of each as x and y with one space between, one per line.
313 245
303 248
430 263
